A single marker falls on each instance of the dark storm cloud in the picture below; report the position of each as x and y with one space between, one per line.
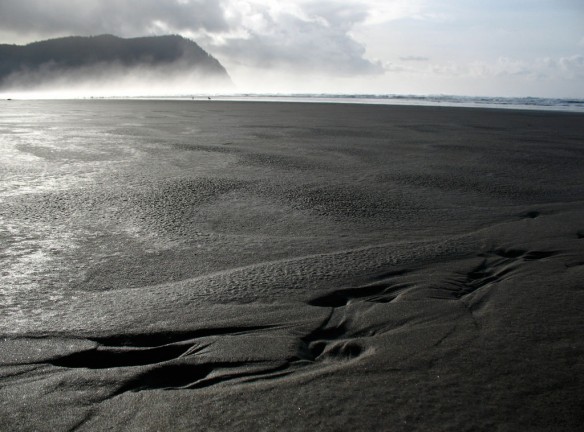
120 17
309 35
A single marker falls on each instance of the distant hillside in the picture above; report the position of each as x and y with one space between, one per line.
106 55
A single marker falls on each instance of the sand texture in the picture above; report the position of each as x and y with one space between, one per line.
179 266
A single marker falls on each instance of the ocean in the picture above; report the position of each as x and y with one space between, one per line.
532 103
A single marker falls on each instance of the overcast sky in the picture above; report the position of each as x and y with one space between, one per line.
472 47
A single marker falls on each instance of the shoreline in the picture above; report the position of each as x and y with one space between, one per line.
504 103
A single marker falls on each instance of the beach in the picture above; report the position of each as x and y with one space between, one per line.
213 265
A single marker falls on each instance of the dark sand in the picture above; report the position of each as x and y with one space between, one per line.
268 266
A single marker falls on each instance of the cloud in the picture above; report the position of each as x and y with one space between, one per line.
572 66
384 11
566 68
305 35
310 37
414 58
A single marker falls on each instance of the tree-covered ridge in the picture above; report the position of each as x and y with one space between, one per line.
70 53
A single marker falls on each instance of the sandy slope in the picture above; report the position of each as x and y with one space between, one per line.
252 266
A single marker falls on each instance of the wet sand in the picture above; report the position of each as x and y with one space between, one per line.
174 265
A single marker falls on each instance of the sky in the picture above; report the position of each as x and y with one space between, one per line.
459 47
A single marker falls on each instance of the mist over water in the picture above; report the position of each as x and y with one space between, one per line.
109 80
149 86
